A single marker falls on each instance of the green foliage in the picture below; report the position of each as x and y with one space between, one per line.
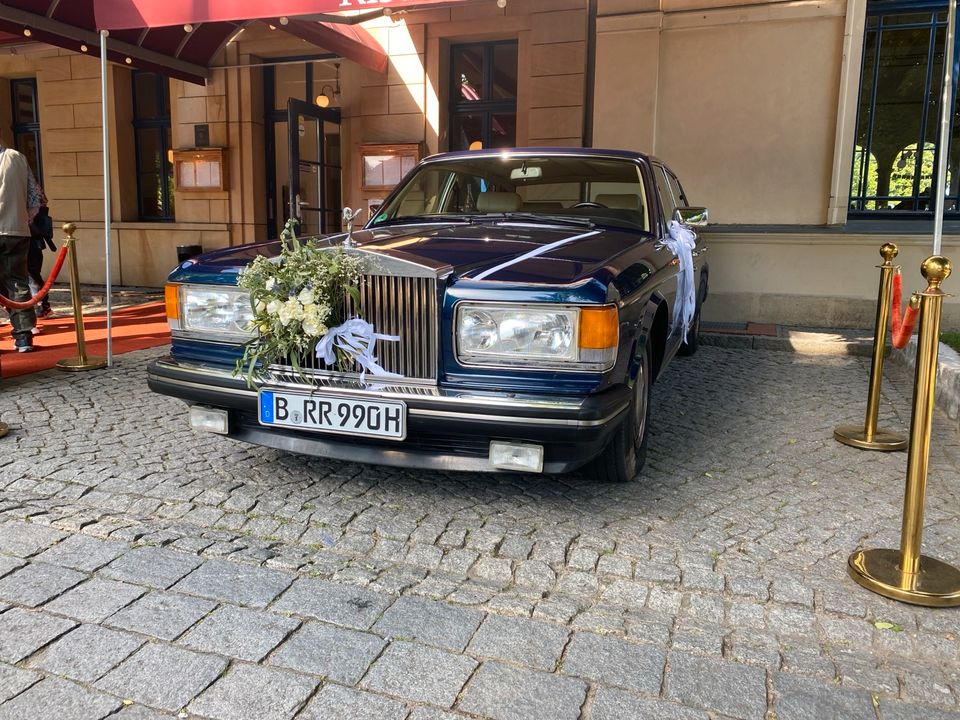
296 297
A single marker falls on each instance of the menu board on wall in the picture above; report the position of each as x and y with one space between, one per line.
383 166
200 169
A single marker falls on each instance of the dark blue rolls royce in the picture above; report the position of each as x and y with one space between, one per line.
536 294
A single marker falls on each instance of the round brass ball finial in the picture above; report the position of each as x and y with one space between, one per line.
888 251
69 229
935 269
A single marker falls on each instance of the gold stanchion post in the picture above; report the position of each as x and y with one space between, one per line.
906 575
869 437
81 361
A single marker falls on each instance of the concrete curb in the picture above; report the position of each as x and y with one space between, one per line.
947 394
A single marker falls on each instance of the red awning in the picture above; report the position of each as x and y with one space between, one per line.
124 14
185 47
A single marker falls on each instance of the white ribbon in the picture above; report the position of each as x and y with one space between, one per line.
681 242
356 338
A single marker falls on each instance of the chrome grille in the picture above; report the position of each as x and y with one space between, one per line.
404 306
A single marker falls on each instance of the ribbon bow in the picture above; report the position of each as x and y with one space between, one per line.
681 242
356 338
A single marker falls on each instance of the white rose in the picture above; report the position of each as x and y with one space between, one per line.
270 284
273 307
294 308
306 296
260 306
284 315
311 327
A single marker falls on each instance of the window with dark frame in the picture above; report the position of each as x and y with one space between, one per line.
152 139
26 122
895 155
483 95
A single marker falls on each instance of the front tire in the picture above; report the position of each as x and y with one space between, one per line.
625 454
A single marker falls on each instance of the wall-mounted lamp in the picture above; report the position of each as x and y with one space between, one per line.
128 60
330 94
284 20
501 4
27 32
84 48
188 28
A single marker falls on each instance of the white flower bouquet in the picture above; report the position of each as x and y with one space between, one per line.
296 298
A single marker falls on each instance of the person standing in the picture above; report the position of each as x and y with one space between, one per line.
20 199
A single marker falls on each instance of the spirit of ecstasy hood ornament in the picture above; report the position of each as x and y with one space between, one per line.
348 217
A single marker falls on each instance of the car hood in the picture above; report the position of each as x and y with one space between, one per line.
521 253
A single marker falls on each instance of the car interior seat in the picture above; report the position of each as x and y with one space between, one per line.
494 202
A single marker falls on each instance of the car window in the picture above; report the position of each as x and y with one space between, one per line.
666 195
678 195
603 190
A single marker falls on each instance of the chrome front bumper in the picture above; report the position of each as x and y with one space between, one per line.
573 429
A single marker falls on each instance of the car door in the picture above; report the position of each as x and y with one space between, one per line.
664 254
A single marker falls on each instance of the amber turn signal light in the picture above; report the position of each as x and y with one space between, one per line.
599 327
171 297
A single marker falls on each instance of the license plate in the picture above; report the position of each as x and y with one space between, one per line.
343 415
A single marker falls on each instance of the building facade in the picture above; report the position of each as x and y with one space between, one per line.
809 129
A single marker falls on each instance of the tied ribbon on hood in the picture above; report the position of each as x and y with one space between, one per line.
681 242
355 338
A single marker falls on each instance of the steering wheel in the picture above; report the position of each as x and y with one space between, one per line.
589 204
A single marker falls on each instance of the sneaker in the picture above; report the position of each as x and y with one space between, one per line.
35 330
45 311
24 344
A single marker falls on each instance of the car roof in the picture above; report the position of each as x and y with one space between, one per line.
586 152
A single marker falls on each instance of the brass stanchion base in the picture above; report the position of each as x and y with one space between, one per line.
4 429
76 364
884 440
936 585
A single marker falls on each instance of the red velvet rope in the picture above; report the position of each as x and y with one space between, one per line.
42 293
901 330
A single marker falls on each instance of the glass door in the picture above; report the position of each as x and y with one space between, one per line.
314 140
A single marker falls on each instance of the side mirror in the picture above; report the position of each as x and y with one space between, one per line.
694 216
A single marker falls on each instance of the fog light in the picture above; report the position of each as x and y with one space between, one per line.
209 419
515 456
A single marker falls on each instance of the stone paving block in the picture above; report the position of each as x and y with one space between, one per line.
419 673
717 685
429 713
615 704
252 692
139 712
442 625
893 710
26 539
164 615
615 662
86 653
341 654
520 640
96 599
36 583
505 693
235 583
8 564
801 698
151 566
336 701
14 680
23 632
56 699
331 602
240 632
163 676
82 552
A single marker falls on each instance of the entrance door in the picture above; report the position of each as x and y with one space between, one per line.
314 137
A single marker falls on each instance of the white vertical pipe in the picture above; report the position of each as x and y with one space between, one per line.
943 142
106 188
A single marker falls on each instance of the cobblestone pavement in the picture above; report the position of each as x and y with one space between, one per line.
148 571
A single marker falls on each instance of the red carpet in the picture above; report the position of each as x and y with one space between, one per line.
134 328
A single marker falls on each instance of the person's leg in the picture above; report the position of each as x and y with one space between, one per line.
14 273
35 273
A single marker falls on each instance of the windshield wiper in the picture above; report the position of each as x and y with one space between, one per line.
411 219
532 217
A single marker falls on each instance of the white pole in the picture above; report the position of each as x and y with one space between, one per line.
106 188
943 142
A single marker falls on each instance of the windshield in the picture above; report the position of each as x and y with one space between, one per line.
607 191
